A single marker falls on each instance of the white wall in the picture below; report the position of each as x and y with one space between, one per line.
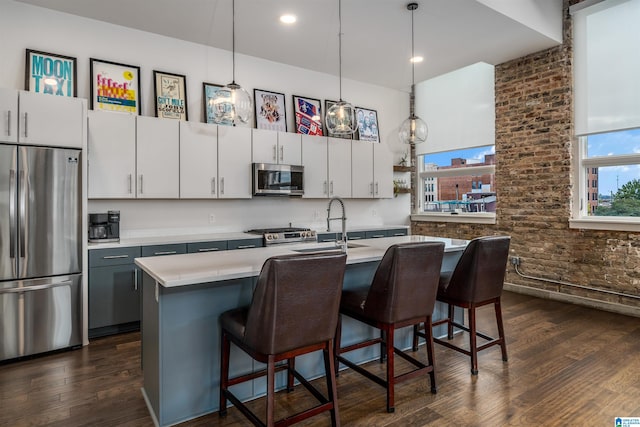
28 27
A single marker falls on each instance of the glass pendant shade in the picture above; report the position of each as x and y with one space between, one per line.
341 119
232 105
413 130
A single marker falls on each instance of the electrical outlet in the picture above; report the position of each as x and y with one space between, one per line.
374 212
515 260
212 218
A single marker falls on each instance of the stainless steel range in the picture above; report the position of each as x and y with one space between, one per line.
276 236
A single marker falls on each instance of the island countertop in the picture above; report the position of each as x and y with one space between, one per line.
196 268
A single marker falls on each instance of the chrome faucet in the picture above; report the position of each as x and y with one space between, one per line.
343 242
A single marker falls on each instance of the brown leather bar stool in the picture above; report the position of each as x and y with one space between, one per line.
294 311
476 280
402 293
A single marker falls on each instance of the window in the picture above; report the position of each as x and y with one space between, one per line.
607 114
452 181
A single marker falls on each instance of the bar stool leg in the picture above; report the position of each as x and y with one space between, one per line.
473 344
332 388
388 333
503 341
336 346
430 351
224 373
291 366
415 336
450 322
271 383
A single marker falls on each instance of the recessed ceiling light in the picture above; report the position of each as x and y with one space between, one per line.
417 59
288 19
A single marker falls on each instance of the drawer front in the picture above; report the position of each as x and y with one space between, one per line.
245 243
159 250
207 246
375 234
327 237
113 256
397 232
356 235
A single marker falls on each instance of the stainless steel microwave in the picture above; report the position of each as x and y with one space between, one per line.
277 180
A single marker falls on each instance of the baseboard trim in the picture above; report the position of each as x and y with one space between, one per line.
574 299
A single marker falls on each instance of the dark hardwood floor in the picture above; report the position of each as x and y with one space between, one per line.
568 365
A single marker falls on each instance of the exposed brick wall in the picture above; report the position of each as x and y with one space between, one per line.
534 184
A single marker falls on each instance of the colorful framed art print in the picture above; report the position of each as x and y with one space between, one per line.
308 114
170 93
211 115
367 125
270 111
114 87
51 73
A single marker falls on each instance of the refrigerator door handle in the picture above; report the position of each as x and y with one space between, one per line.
23 210
9 123
35 288
12 215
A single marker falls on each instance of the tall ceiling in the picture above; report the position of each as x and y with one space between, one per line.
376 42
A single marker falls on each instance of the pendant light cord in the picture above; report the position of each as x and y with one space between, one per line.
340 45
233 41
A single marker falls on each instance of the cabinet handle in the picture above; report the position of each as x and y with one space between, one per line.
371 188
222 185
245 246
141 186
26 127
282 153
324 188
375 236
165 253
208 249
213 186
135 279
115 256
376 188
331 188
130 178
9 123
399 234
356 238
274 153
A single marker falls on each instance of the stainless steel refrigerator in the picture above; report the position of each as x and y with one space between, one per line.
40 250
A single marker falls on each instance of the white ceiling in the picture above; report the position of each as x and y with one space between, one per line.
376 41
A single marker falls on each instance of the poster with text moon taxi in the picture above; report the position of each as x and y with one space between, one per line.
51 74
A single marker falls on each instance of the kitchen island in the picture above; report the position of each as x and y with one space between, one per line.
183 296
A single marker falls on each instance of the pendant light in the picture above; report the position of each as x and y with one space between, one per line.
413 130
232 104
341 116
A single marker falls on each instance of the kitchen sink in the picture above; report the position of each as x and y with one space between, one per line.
328 248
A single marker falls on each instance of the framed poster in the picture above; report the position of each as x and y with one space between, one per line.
114 86
209 91
327 105
170 93
367 125
308 113
270 110
50 73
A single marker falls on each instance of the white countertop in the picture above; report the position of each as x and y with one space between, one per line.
205 267
162 239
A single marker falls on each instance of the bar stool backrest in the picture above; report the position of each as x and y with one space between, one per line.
406 282
296 302
479 273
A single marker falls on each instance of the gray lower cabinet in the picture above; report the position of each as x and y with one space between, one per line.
219 245
245 243
327 237
160 250
397 232
375 234
114 296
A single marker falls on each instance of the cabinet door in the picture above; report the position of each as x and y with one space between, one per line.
362 169
382 171
314 160
111 155
9 110
114 296
158 154
245 244
162 250
51 120
198 160
218 245
289 148
234 162
339 162
264 146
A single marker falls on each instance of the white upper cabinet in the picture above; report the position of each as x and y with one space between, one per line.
234 162
339 167
372 170
39 119
111 155
158 154
198 160
276 147
9 109
314 160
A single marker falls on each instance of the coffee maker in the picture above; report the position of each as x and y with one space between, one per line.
104 227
